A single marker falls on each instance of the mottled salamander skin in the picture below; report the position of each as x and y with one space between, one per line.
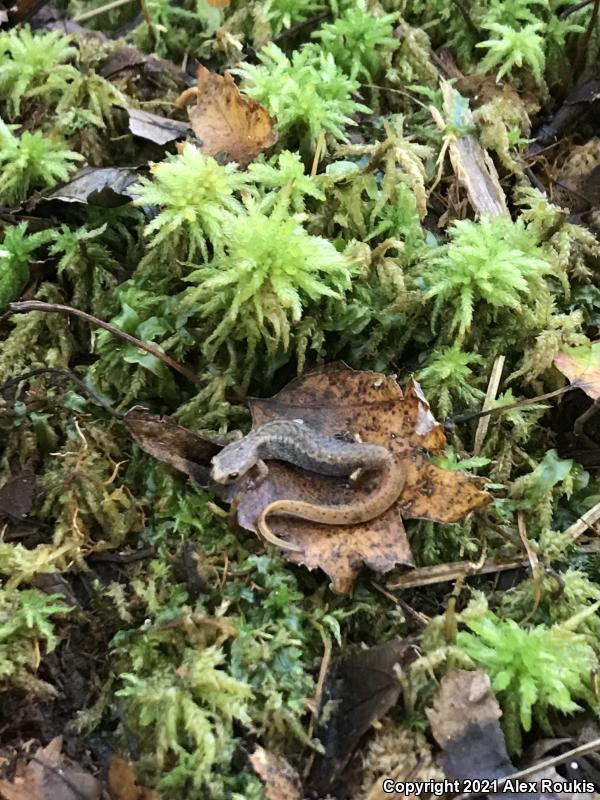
301 445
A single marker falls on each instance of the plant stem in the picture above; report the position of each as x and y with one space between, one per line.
38 305
95 12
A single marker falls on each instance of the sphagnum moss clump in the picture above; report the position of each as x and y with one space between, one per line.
33 65
31 161
194 196
307 93
491 265
262 283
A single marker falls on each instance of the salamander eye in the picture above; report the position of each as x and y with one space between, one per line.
233 475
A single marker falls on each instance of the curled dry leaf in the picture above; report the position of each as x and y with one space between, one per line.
341 401
581 365
172 444
281 781
227 122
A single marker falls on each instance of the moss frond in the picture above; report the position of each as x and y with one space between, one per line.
260 286
32 65
31 161
195 197
306 94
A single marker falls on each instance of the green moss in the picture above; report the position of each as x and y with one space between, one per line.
31 161
16 251
26 623
270 275
532 669
33 66
306 93
194 196
487 267
360 42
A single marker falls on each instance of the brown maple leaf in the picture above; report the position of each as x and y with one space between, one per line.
342 401
227 122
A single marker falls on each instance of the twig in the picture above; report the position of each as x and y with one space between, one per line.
395 91
318 151
584 522
38 305
467 18
421 619
305 23
65 373
95 12
583 47
149 25
469 415
534 563
443 573
492 391
573 9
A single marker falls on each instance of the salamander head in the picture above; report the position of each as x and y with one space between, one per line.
232 462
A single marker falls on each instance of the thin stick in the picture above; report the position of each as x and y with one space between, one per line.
467 18
37 305
536 573
95 12
318 150
572 9
499 409
583 47
492 391
444 573
149 25
584 523
395 91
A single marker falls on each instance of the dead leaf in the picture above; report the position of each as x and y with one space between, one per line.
465 723
172 444
581 365
17 496
129 58
106 187
281 780
362 688
122 782
219 3
341 401
227 122
464 697
154 128
49 776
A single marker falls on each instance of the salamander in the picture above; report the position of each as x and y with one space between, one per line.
299 444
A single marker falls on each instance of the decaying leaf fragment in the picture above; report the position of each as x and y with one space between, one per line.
172 444
465 722
227 122
49 776
122 784
281 781
581 365
362 688
341 401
